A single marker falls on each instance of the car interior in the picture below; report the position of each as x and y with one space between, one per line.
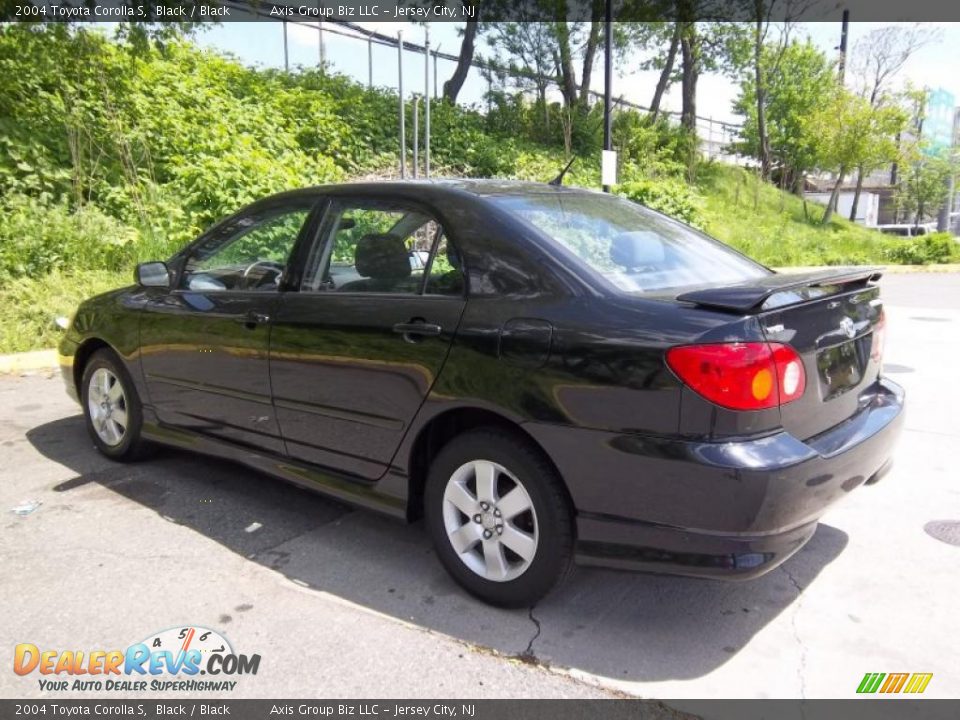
370 250
392 260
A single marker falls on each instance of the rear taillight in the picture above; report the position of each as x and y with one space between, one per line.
879 337
742 375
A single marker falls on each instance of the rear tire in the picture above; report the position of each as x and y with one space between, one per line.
111 407
499 517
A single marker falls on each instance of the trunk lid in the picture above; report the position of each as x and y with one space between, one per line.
830 318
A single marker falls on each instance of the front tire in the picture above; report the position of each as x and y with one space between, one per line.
499 517
111 407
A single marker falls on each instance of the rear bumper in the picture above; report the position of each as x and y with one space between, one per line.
734 509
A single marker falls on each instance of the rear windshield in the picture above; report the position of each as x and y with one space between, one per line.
634 248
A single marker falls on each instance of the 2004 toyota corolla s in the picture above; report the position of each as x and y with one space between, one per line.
544 373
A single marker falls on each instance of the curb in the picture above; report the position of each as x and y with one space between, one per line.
34 360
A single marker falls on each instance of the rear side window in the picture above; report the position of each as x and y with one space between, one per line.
446 270
376 247
633 248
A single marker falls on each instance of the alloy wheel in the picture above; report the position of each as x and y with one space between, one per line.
490 520
107 405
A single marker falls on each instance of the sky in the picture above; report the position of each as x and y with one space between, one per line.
935 65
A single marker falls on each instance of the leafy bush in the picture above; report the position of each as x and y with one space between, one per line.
36 238
651 149
669 196
512 114
925 250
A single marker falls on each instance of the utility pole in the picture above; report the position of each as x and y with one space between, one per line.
426 102
608 158
844 28
403 126
369 63
286 52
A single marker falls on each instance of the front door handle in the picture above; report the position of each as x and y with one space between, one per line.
415 329
254 318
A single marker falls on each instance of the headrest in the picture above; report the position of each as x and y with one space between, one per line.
637 249
382 257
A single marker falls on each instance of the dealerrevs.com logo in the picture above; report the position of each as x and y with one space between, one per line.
189 659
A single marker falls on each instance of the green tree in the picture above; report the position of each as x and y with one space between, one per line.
853 133
923 187
875 62
799 77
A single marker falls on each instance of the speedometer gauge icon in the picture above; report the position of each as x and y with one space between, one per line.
182 639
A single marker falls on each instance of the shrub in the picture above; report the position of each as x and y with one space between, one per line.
651 148
925 250
36 238
671 197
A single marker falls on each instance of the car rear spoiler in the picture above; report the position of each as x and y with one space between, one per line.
747 297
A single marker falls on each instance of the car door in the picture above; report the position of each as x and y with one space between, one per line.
204 343
354 353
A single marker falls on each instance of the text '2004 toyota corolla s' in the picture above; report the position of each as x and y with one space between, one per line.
545 374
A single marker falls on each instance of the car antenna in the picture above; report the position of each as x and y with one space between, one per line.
558 180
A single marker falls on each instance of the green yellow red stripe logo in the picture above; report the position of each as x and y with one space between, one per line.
894 683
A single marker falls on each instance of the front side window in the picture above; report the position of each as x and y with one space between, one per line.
379 248
633 248
248 254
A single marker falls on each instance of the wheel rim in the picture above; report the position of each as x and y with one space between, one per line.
490 520
107 404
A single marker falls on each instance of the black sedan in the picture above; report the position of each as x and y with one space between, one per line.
544 373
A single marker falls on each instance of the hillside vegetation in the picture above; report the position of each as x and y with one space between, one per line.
111 155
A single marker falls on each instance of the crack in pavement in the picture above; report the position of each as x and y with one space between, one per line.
529 655
802 669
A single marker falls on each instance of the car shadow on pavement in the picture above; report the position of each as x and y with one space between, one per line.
625 626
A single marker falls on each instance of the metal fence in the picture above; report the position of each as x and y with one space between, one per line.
715 136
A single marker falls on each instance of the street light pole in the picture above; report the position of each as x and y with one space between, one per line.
403 125
607 85
844 29
426 103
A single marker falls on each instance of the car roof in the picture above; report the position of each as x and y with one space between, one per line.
438 188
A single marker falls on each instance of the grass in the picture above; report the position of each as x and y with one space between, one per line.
33 304
772 227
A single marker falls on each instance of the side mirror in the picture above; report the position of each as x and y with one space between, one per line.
153 274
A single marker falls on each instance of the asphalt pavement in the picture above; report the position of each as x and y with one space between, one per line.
342 603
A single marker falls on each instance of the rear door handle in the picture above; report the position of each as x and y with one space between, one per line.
417 328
